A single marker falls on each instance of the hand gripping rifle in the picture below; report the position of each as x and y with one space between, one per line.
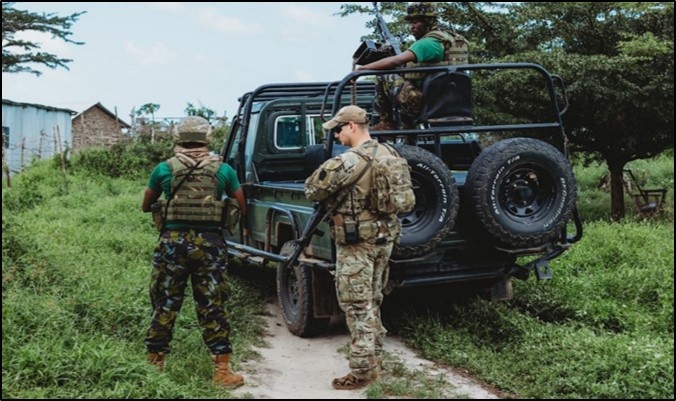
370 51
320 213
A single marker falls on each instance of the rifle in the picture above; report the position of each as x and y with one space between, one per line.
318 215
370 51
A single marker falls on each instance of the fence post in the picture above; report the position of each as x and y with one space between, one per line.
57 136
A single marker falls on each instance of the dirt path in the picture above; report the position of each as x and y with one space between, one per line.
300 368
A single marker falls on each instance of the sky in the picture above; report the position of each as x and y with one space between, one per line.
172 54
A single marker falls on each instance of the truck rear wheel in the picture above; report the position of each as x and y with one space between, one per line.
294 292
522 192
436 203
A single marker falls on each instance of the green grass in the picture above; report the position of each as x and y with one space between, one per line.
75 273
602 328
75 276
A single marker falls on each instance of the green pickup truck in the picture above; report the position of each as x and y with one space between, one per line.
493 200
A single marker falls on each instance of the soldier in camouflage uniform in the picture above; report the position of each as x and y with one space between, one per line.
432 47
191 244
364 241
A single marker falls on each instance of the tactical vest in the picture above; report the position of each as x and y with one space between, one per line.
455 52
356 208
356 203
196 200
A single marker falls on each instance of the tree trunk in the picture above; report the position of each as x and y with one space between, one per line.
616 192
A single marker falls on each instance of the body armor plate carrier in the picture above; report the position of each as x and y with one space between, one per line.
196 200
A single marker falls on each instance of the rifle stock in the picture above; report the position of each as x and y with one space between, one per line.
318 215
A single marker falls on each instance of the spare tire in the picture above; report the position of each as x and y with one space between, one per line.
522 191
436 203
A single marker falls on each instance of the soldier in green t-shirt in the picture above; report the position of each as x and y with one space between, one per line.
191 245
432 47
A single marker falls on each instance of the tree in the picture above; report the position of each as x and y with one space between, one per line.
219 123
17 53
617 59
149 108
202 111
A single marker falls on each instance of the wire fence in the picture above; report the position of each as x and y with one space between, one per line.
18 157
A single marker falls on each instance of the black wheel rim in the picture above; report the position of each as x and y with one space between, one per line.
419 216
527 193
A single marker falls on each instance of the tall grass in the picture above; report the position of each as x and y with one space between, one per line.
75 275
602 328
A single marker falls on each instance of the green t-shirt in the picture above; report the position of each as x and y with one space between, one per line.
428 50
160 180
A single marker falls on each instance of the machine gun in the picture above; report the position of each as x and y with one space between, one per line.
370 51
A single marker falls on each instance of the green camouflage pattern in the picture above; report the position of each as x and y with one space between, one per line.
421 10
362 271
393 90
202 258
405 93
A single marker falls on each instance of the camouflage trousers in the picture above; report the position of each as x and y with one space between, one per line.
202 258
362 271
393 91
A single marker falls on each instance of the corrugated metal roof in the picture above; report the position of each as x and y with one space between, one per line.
39 106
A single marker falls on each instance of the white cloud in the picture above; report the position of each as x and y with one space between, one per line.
175 7
305 15
217 21
158 54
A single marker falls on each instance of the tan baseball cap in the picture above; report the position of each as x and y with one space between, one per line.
347 114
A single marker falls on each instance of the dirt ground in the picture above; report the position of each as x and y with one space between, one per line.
302 368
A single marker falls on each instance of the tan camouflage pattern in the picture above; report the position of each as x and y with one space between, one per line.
192 129
196 200
362 268
456 51
202 258
362 271
333 175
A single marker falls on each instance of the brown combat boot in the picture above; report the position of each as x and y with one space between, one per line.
222 374
157 359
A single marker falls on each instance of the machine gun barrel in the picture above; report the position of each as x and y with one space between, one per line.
385 34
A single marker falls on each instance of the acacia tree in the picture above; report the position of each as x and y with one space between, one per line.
17 53
617 59
618 62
